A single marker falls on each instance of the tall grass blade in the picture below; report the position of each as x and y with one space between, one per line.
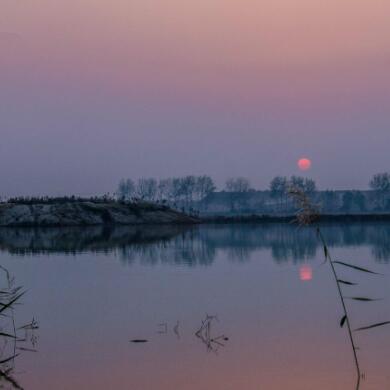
346 282
2 334
364 299
11 302
372 326
10 379
8 359
356 267
342 322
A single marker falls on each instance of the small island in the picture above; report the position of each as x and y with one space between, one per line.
71 211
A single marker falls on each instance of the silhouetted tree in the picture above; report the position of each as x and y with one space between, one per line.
302 183
164 189
204 186
126 189
238 184
380 183
188 188
147 188
177 188
237 187
278 188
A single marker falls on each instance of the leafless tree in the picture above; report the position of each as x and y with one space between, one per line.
147 188
380 183
237 184
204 186
126 189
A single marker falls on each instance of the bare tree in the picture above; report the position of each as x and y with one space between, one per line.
237 187
380 183
310 186
204 186
304 184
126 189
237 184
147 188
188 187
177 189
164 189
278 188
297 182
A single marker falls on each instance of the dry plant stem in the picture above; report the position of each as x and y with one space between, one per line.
347 321
308 214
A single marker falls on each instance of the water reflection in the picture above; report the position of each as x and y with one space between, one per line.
306 273
198 245
114 323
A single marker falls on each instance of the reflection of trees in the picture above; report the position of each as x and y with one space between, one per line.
239 254
380 243
298 244
184 249
193 246
286 242
72 240
376 236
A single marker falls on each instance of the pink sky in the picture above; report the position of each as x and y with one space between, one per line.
130 88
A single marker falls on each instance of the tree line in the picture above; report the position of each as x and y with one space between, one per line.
380 183
187 189
197 187
191 188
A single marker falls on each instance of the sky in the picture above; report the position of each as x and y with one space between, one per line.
92 91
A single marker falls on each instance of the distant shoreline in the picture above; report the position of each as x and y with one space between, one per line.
344 218
66 213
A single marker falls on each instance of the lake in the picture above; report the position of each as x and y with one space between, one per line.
211 307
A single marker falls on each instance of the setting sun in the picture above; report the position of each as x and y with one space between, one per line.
304 164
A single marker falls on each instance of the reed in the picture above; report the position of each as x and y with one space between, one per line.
308 214
13 339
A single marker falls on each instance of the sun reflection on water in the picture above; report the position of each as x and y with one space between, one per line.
305 273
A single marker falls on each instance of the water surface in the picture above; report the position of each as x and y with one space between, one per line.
95 290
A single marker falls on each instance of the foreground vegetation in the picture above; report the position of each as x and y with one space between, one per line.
308 215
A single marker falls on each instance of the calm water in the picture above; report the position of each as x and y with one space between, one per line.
277 312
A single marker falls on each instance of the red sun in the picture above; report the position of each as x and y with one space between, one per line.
304 164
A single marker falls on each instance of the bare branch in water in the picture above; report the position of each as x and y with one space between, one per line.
204 334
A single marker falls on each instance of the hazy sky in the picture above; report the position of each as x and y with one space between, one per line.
94 90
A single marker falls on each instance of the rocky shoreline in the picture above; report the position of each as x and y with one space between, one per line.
88 213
